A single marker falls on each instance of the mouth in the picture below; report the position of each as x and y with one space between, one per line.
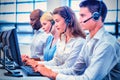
58 28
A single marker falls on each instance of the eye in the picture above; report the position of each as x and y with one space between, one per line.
57 20
82 15
44 23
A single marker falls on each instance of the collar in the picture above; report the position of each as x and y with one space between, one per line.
98 35
39 31
63 38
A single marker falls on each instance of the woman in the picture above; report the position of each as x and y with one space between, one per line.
47 23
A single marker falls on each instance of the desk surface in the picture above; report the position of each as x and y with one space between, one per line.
3 77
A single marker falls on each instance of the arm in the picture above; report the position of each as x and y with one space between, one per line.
75 50
102 62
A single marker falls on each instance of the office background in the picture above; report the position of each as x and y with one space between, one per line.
15 13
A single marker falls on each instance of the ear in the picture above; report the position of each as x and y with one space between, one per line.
95 16
52 22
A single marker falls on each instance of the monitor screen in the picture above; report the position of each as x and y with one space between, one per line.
1 47
13 47
0 37
3 35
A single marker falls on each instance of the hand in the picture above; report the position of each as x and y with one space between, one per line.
24 58
30 62
46 72
37 65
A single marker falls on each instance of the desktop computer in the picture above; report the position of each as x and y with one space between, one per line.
12 53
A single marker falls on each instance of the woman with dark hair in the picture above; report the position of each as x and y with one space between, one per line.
70 21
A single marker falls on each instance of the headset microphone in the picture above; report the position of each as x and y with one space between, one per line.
95 16
87 20
52 23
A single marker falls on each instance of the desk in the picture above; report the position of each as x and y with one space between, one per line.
3 77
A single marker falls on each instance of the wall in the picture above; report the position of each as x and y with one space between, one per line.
52 4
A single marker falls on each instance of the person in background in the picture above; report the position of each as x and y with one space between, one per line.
47 23
99 58
39 38
70 43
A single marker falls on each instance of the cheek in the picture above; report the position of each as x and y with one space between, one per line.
63 26
33 22
49 26
84 26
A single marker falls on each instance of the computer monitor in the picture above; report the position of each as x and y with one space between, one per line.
3 35
13 47
1 47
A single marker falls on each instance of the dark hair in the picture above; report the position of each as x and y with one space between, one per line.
70 19
95 6
40 12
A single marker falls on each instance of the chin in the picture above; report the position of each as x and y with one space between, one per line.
84 29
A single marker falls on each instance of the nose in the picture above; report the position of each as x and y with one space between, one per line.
43 28
80 20
31 22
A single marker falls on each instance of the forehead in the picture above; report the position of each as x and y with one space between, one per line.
44 21
84 10
57 16
34 15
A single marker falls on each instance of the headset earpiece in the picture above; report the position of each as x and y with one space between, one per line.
52 22
68 18
96 16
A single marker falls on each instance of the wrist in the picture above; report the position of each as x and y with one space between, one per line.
53 75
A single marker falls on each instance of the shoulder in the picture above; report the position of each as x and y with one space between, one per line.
79 40
49 38
107 41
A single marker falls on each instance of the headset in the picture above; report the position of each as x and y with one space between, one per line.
68 17
96 15
52 23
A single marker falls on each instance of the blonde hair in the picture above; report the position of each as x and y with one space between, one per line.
46 16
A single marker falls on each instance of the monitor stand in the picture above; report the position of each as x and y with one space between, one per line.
5 61
13 73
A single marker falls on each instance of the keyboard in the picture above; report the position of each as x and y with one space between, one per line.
29 71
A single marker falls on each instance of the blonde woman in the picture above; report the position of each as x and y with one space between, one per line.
47 23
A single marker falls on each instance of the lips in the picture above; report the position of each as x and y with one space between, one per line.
58 28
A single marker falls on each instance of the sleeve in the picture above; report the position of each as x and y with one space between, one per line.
100 65
78 67
71 60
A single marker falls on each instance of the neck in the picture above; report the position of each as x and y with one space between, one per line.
56 36
95 30
68 35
